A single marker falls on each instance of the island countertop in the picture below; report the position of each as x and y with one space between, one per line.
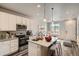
42 42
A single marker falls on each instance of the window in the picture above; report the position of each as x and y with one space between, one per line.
55 28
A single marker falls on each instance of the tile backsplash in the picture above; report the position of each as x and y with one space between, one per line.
6 34
2 35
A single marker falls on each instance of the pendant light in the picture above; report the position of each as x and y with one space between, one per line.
52 14
44 14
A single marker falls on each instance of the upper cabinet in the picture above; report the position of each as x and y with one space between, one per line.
7 22
19 20
12 22
28 24
24 21
4 21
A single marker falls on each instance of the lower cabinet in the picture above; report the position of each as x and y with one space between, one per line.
14 46
8 47
4 47
34 49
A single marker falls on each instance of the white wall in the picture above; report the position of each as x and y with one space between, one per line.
78 30
68 29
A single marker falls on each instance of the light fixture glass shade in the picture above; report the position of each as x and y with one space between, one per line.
44 20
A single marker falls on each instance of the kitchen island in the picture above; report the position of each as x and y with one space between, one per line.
38 48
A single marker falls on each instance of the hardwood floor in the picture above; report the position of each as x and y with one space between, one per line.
21 53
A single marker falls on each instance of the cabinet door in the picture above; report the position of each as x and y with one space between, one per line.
28 24
34 49
14 45
3 21
24 21
19 20
12 22
4 48
1 48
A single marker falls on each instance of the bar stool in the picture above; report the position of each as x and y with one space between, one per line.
55 49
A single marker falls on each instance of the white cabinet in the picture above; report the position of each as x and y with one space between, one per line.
24 21
3 21
12 22
34 49
28 24
4 48
1 50
19 20
32 24
14 45
8 47
7 22
37 50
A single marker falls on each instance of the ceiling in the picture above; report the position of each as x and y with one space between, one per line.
61 10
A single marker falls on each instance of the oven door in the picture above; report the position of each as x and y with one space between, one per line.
22 41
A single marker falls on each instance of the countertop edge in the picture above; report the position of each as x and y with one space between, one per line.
2 40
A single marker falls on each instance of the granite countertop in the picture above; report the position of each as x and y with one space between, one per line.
2 40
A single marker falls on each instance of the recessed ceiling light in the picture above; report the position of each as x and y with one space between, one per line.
38 6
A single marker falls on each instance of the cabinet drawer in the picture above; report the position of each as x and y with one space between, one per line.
14 45
14 48
14 40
